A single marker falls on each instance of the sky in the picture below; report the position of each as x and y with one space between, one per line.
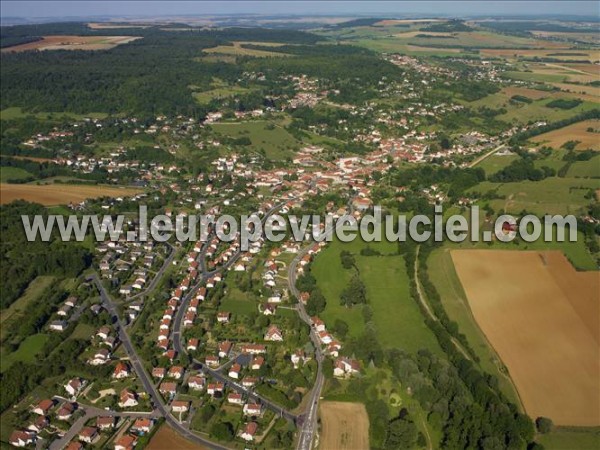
89 8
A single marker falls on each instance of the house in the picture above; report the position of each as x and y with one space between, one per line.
325 337
74 445
254 349
168 388
127 399
269 310
333 348
43 407
20 438
105 423
142 425
121 371
63 311
212 361
252 409
57 325
248 382
180 406
159 372
257 363
215 388
225 349
88 434
318 324
196 382
345 366
66 411
39 424
223 317
249 431
73 386
188 320
273 334
298 357
127 442
176 372
192 344
234 371
103 332
235 398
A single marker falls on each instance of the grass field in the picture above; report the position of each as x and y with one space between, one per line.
219 93
585 169
19 306
73 43
545 331
17 113
27 351
563 54
56 194
575 132
552 195
345 426
396 316
13 173
564 438
494 163
276 142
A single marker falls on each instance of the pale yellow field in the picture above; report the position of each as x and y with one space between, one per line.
345 426
562 54
542 318
59 194
167 438
237 49
73 43
576 132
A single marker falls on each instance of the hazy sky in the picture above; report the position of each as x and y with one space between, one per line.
50 8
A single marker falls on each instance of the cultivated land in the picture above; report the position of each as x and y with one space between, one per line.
238 49
166 438
576 132
73 43
345 426
59 194
546 331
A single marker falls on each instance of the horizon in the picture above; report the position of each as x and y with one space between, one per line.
35 11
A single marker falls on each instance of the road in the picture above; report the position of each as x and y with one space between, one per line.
482 157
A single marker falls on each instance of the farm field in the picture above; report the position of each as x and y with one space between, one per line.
575 132
345 426
565 438
238 49
563 54
11 174
585 169
546 332
494 163
73 43
166 437
57 194
18 113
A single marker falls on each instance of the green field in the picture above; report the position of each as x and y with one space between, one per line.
549 196
585 169
494 163
569 439
18 113
8 174
26 352
538 110
219 93
16 309
396 316
276 142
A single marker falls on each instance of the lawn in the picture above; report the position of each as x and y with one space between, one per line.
11 174
265 136
26 352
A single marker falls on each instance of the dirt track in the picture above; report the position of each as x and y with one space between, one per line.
542 317
345 425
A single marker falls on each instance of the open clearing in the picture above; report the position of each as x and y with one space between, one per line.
166 437
238 50
59 194
576 132
345 426
73 43
545 331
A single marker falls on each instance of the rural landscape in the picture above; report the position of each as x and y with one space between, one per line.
119 343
